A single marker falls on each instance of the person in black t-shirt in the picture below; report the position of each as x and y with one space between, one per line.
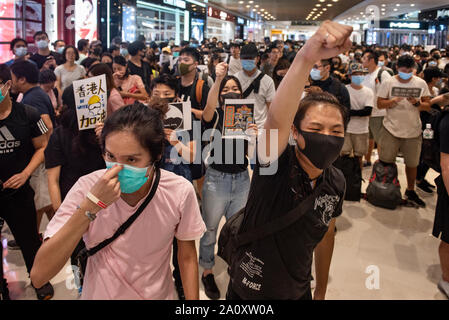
22 145
136 64
44 58
284 176
25 78
441 224
226 184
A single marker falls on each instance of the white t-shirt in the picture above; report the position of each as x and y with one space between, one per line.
265 95
359 100
372 83
67 77
403 120
235 66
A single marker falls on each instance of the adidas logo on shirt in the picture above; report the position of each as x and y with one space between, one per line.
7 141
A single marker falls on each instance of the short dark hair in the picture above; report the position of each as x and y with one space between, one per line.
144 122
234 45
39 33
191 52
5 73
249 51
16 41
319 98
107 54
432 72
406 61
167 80
372 55
122 61
383 53
83 43
56 42
47 76
113 48
87 63
27 70
135 47
77 55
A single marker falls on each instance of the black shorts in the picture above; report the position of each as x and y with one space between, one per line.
441 223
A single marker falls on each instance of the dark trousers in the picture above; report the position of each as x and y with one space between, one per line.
19 212
231 295
422 171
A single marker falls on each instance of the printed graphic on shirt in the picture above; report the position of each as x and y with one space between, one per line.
326 205
406 92
253 267
8 143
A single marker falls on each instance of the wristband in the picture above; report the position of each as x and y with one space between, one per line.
97 201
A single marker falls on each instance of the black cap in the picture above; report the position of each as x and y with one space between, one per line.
249 51
134 47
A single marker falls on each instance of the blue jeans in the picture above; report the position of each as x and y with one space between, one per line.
224 194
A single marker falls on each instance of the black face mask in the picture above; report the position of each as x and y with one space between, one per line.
229 96
321 149
436 56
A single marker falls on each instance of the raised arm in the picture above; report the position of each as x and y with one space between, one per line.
212 100
330 40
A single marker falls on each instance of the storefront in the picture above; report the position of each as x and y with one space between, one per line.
392 33
241 28
19 19
438 26
220 24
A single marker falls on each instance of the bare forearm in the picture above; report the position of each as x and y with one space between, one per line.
188 266
385 104
212 101
186 152
54 253
36 160
55 194
424 106
323 258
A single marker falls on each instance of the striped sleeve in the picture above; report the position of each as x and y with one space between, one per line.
42 127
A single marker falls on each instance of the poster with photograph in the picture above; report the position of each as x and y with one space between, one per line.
179 116
239 114
91 101
85 20
406 92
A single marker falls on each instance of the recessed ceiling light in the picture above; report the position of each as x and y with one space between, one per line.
318 5
395 9
329 4
398 5
412 5
250 2
241 2
256 6
248 6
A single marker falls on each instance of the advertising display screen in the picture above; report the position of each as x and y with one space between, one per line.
7 28
198 29
86 20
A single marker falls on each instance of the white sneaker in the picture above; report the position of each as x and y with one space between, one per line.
444 287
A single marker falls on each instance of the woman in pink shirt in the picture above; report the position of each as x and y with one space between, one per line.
130 85
137 264
115 100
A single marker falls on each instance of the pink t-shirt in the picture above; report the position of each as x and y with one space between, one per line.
137 264
115 101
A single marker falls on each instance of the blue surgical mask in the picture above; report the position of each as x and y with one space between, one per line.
20 52
286 47
124 52
433 64
175 54
61 50
131 178
405 76
315 74
2 97
357 80
42 44
248 65
381 63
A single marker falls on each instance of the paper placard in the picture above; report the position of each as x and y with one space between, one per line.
406 92
179 116
238 115
91 100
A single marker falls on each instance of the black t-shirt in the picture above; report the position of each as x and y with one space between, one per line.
239 161
272 196
444 134
16 133
143 72
190 93
40 60
37 98
74 164
335 87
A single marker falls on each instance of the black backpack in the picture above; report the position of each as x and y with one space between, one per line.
431 147
350 167
384 189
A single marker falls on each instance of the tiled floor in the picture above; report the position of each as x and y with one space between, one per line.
395 245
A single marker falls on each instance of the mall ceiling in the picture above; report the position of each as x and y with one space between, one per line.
319 10
287 10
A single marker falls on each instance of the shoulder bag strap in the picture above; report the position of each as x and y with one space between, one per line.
279 224
254 86
130 220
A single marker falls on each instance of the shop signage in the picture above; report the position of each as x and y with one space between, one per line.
176 3
274 31
240 21
405 25
219 14
443 13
